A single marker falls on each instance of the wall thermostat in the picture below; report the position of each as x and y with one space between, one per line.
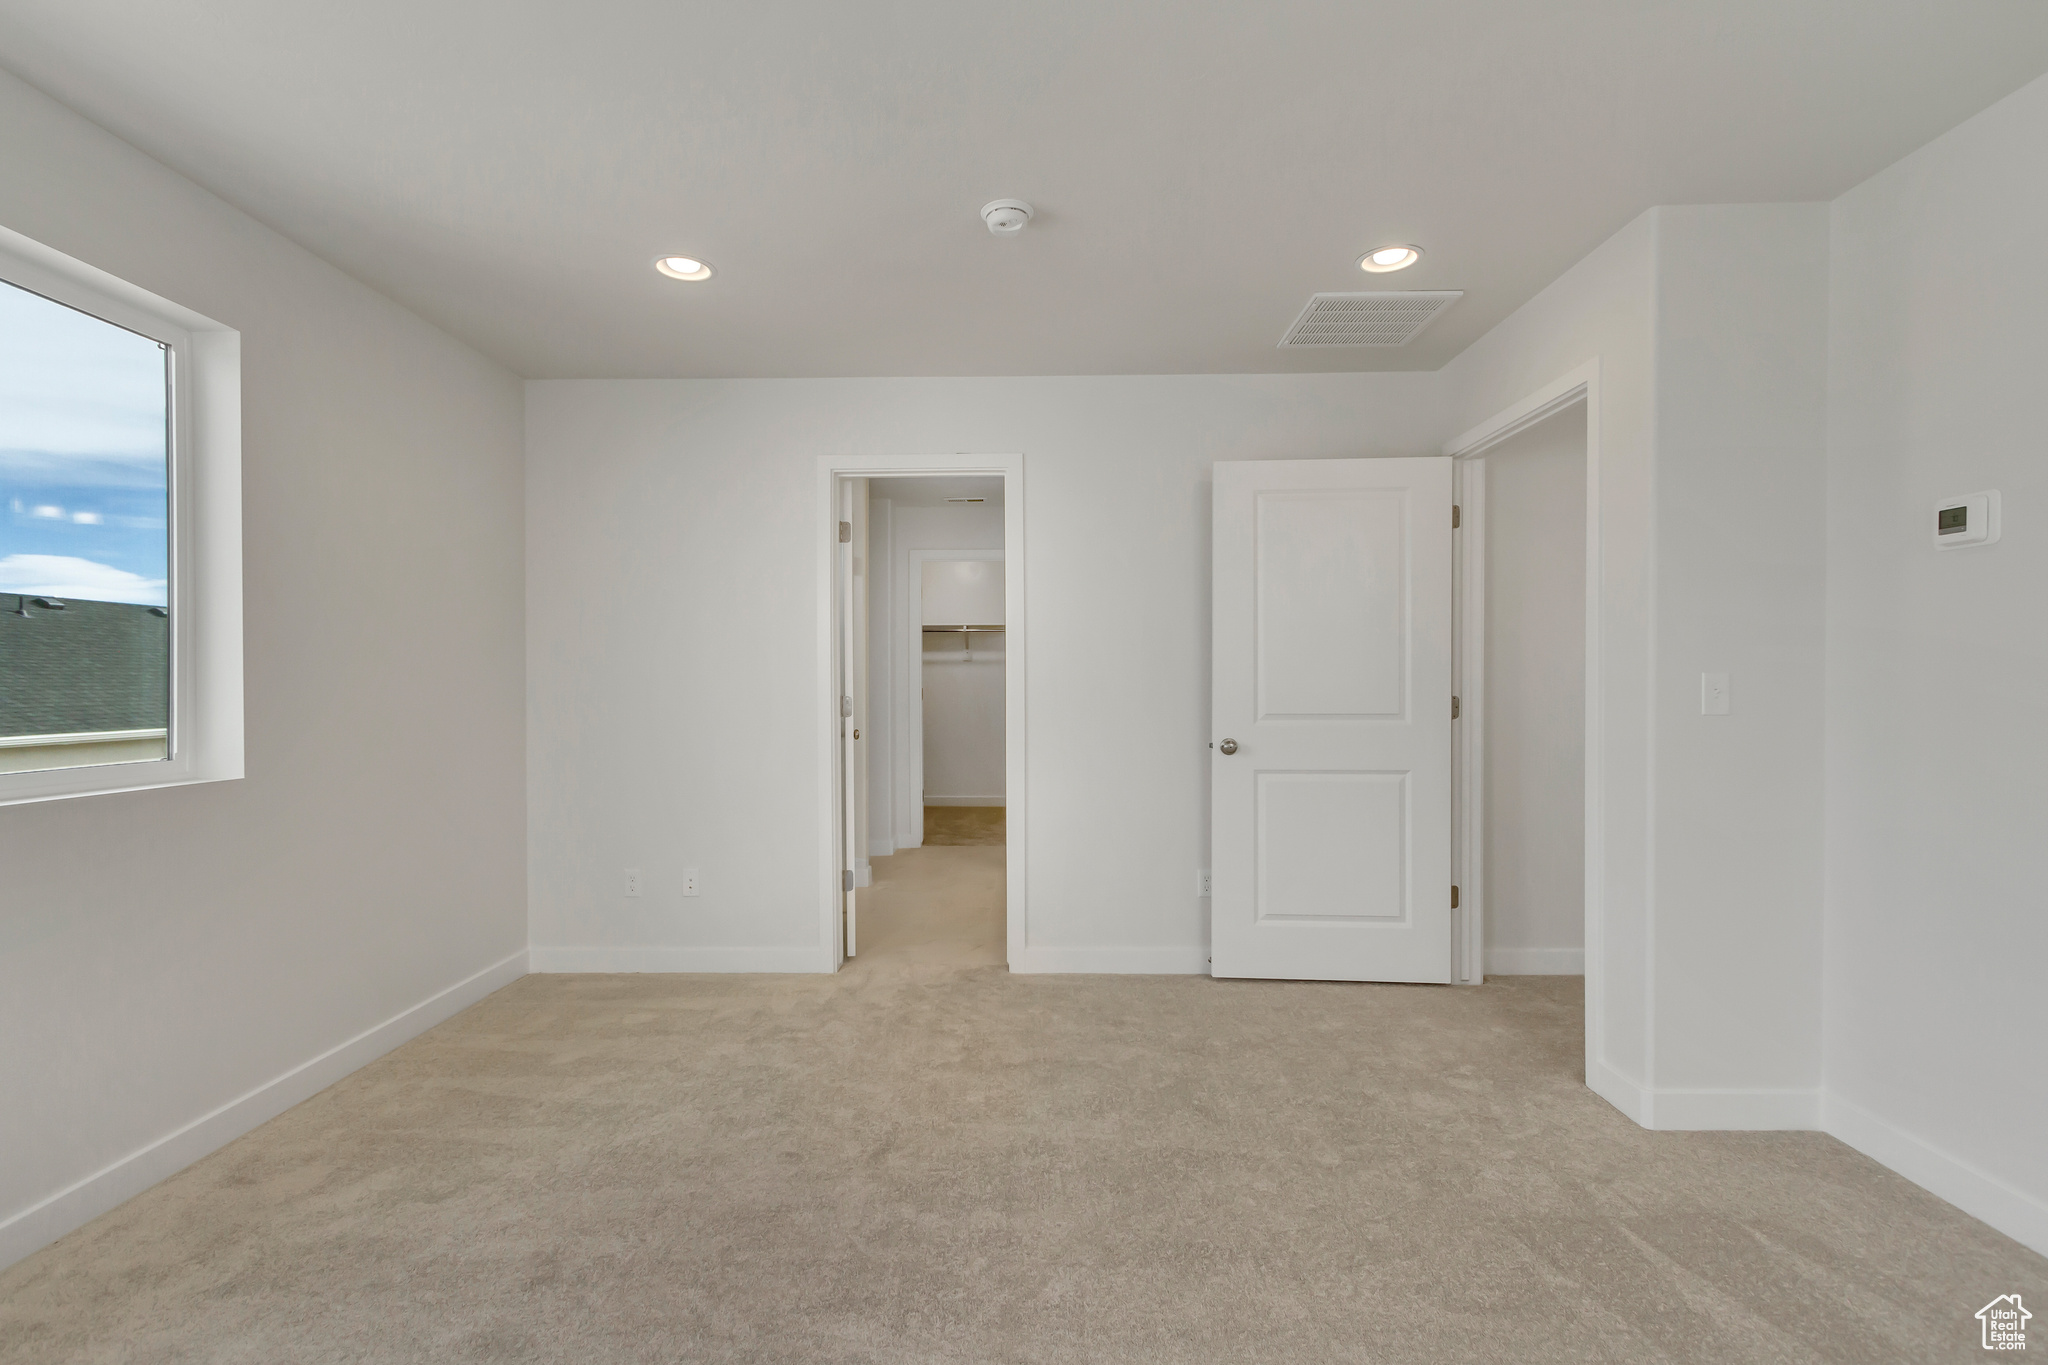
1968 520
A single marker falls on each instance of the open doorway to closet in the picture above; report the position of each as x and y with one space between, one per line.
924 673
1528 600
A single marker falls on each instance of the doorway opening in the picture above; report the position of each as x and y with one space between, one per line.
1522 673
928 719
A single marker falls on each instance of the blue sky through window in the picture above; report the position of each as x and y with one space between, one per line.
84 494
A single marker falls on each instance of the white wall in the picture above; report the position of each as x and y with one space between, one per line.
962 592
963 702
1709 328
1937 739
1535 527
963 727
164 954
1740 588
1601 310
650 749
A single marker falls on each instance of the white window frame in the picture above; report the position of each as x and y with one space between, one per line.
205 532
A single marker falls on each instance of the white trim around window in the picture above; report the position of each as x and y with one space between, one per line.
205 594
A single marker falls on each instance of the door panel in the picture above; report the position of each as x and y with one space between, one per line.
1331 821
1332 846
1331 597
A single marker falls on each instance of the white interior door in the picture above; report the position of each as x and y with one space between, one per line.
1331 771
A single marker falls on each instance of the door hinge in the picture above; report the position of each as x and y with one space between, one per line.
845 533
1454 895
845 707
846 879
1454 519
1454 708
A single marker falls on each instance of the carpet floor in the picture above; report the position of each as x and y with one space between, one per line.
927 1159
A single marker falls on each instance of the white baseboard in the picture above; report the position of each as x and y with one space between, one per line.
1535 961
881 848
1684 1110
682 959
1618 1090
41 1224
1733 1111
864 873
1128 961
1976 1192
931 800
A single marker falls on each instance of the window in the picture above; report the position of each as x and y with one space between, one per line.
85 451
120 555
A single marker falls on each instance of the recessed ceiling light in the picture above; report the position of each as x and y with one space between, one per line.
683 268
1382 259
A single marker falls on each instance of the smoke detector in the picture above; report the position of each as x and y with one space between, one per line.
1006 216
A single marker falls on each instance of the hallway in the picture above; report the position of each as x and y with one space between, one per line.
939 907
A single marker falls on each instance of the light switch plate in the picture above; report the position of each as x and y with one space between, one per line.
1713 694
689 881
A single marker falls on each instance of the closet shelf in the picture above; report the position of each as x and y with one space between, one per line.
965 654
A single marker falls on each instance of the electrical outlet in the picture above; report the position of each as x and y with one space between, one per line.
689 881
1201 881
632 881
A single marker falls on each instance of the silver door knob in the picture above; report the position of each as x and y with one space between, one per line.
1228 746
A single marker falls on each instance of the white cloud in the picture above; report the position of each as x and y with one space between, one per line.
71 384
73 469
67 576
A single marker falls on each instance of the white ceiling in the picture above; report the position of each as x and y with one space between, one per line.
510 168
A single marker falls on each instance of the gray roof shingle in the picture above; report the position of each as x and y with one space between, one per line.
92 666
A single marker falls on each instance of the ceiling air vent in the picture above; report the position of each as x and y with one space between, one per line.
1388 318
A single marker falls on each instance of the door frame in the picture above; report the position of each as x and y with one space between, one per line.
1469 679
1235 592
830 470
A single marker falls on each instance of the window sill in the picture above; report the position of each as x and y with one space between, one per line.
95 749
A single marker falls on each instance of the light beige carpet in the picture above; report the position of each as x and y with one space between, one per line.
932 909
963 825
927 1160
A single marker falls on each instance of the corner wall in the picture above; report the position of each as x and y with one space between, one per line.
1601 310
1703 870
1936 739
178 965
